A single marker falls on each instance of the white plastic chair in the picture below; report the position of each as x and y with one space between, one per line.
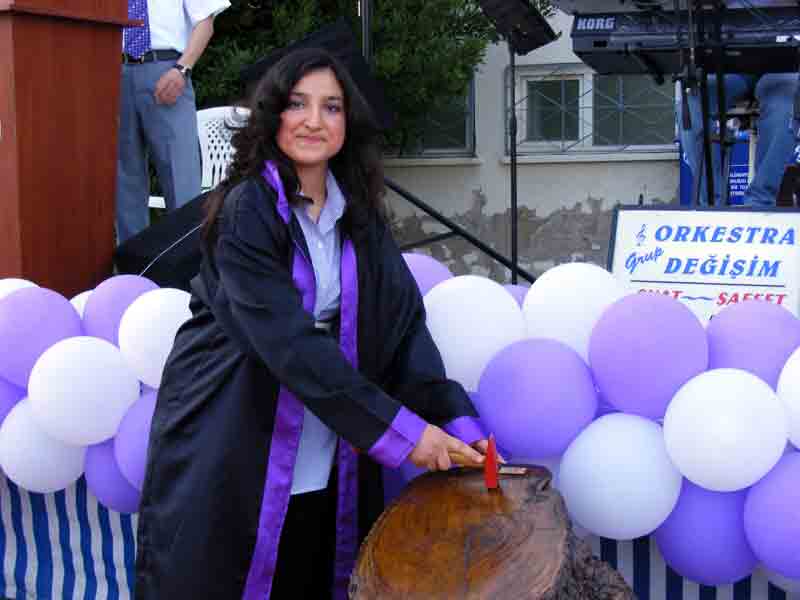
213 128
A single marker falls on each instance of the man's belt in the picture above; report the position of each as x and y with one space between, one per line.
151 56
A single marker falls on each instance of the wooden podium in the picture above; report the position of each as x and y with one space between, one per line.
59 105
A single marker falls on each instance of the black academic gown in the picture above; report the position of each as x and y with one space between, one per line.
230 408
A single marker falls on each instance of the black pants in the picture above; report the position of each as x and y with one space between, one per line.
307 548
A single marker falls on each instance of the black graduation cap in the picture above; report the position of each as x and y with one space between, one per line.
338 39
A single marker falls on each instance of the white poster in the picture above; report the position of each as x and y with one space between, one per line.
709 259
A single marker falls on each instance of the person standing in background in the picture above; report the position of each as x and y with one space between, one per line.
775 93
158 115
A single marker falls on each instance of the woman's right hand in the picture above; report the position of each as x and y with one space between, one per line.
433 450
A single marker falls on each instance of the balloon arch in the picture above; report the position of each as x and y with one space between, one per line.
650 422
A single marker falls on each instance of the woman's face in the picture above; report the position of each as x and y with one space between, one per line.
312 126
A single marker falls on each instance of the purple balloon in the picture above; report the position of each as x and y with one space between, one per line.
772 517
427 271
536 396
518 291
10 394
643 349
754 336
108 302
703 539
105 481
130 444
31 320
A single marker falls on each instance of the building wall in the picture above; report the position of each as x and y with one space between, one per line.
566 202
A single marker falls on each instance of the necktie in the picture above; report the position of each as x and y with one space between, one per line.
137 39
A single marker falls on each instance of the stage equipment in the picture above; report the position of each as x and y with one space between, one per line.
524 29
689 39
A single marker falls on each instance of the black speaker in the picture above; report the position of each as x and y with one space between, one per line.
520 23
169 251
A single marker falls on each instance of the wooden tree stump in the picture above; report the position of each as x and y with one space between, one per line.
448 537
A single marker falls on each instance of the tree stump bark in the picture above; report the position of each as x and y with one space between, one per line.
448 537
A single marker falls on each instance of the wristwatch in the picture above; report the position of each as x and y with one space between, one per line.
183 70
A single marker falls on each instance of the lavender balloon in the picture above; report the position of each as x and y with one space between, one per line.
518 291
105 481
772 517
704 540
130 443
643 349
536 396
31 320
108 302
427 271
754 336
9 396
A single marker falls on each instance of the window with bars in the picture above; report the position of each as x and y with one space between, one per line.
448 131
632 110
576 110
553 110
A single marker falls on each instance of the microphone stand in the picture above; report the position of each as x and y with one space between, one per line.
725 137
704 101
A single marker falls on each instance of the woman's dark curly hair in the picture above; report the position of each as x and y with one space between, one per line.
358 167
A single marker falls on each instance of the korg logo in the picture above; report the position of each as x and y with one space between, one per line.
596 23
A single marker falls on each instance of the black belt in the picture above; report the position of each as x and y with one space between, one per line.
151 56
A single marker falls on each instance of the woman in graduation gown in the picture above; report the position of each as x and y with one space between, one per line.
306 365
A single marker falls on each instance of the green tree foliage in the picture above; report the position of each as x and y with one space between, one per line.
424 51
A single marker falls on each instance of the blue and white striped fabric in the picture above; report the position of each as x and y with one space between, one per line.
64 546
643 567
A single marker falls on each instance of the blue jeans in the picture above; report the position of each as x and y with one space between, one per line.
167 133
776 138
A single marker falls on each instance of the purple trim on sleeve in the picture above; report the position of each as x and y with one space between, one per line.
467 429
347 502
284 443
399 440
272 177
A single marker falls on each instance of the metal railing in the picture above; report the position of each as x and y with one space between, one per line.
455 230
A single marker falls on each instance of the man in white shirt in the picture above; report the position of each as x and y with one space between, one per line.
158 115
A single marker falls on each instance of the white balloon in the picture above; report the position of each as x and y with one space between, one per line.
789 393
80 389
566 301
471 319
147 331
12 284
79 301
725 429
34 460
617 479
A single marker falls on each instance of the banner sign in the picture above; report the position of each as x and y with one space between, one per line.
708 259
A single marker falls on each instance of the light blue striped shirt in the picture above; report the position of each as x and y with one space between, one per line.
323 239
64 546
